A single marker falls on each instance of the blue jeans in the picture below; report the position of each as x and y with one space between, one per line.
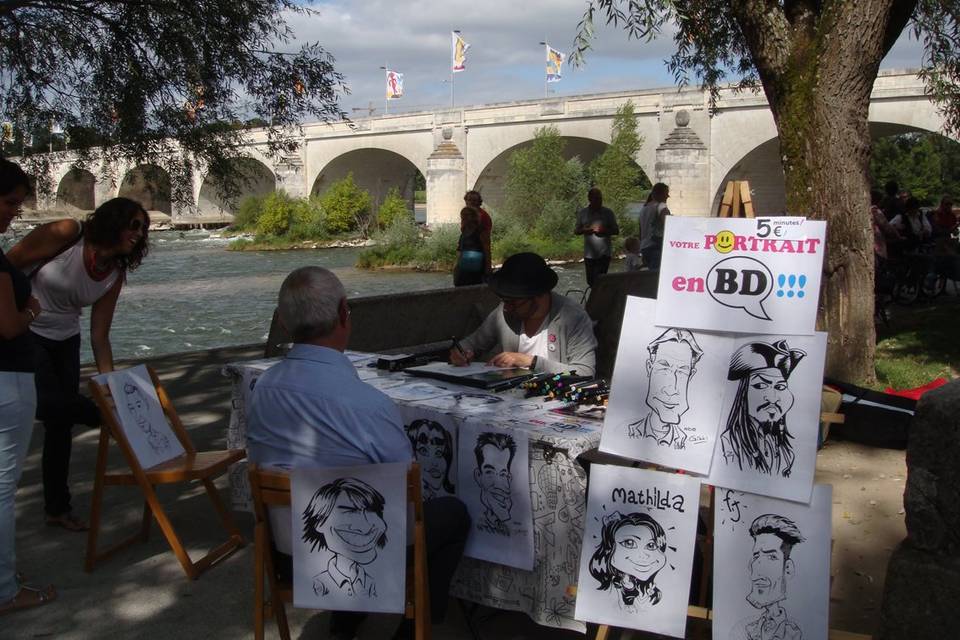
18 402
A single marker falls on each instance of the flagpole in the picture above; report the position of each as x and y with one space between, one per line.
386 96
546 57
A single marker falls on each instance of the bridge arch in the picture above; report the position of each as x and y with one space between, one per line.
77 189
374 169
491 179
255 179
762 167
148 184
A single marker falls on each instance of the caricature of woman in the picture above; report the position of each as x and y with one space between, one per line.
631 552
433 448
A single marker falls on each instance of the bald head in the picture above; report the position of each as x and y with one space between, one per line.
310 303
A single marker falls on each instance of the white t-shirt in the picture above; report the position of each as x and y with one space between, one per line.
535 346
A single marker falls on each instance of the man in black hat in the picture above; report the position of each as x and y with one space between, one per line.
533 327
756 435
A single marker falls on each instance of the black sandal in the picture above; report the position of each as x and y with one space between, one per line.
67 521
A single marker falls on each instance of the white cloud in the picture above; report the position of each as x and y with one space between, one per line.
504 62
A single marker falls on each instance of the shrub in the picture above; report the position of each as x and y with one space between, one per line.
346 206
396 245
246 217
556 221
277 214
439 249
394 207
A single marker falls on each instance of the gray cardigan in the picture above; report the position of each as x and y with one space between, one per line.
569 328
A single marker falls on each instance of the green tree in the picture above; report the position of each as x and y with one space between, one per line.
616 173
161 82
816 62
394 207
924 163
538 174
346 206
277 214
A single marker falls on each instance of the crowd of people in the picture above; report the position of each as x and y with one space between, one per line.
923 242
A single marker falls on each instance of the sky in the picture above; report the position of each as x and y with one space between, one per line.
505 61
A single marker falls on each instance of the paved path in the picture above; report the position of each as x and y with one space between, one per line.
142 592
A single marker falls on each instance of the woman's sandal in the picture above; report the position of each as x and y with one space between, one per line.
28 597
67 521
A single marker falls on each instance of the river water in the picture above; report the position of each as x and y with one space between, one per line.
192 294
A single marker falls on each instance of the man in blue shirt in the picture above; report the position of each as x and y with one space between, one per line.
312 410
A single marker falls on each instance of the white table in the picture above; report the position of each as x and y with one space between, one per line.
557 491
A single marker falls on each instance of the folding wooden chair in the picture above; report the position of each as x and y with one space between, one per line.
271 488
192 465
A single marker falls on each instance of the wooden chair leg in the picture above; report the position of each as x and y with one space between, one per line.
145 521
96 506
258 600
166 527
603 632
225 516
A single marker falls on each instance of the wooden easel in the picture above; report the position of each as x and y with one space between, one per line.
736 201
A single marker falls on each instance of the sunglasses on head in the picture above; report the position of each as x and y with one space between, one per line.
136 224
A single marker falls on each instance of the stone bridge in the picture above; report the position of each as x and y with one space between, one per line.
685 145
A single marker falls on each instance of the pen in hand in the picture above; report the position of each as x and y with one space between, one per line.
463 354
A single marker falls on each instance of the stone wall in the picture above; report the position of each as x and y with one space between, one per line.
923 578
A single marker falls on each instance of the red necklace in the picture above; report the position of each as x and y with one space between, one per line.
94 270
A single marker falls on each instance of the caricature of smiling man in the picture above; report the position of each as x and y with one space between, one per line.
345 517
494 453
672 361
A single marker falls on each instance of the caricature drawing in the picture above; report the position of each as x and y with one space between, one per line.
672 361
345 518
756 435
770 569
433 449
137 405
494 453
632 551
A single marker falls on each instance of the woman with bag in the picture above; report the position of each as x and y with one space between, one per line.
80 265
471 256
18 397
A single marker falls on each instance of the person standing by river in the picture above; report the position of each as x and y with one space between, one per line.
18 397
471 254
652 219
77 265
597 224
473 199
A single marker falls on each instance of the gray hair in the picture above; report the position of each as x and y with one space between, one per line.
309 302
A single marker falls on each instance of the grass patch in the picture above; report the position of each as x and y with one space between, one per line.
918 345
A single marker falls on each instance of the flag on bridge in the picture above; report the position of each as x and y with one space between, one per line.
458 51
554 64
394 85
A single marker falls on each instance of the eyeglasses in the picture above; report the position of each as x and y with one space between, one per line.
136 224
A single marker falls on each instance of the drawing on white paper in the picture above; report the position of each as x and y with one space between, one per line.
494 485
773 560
137 405
434 449
672 362
756 434
141 416
667 392
346 518
632 551
349 537
494 454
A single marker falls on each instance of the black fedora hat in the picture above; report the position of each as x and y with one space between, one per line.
523 275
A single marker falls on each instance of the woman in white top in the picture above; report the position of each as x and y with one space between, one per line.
79 266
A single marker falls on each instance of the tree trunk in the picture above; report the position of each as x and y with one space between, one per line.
820 97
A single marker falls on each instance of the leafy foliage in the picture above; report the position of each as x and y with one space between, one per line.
926 164
539 173
394 207
161 82
616 173
347 206
248 213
